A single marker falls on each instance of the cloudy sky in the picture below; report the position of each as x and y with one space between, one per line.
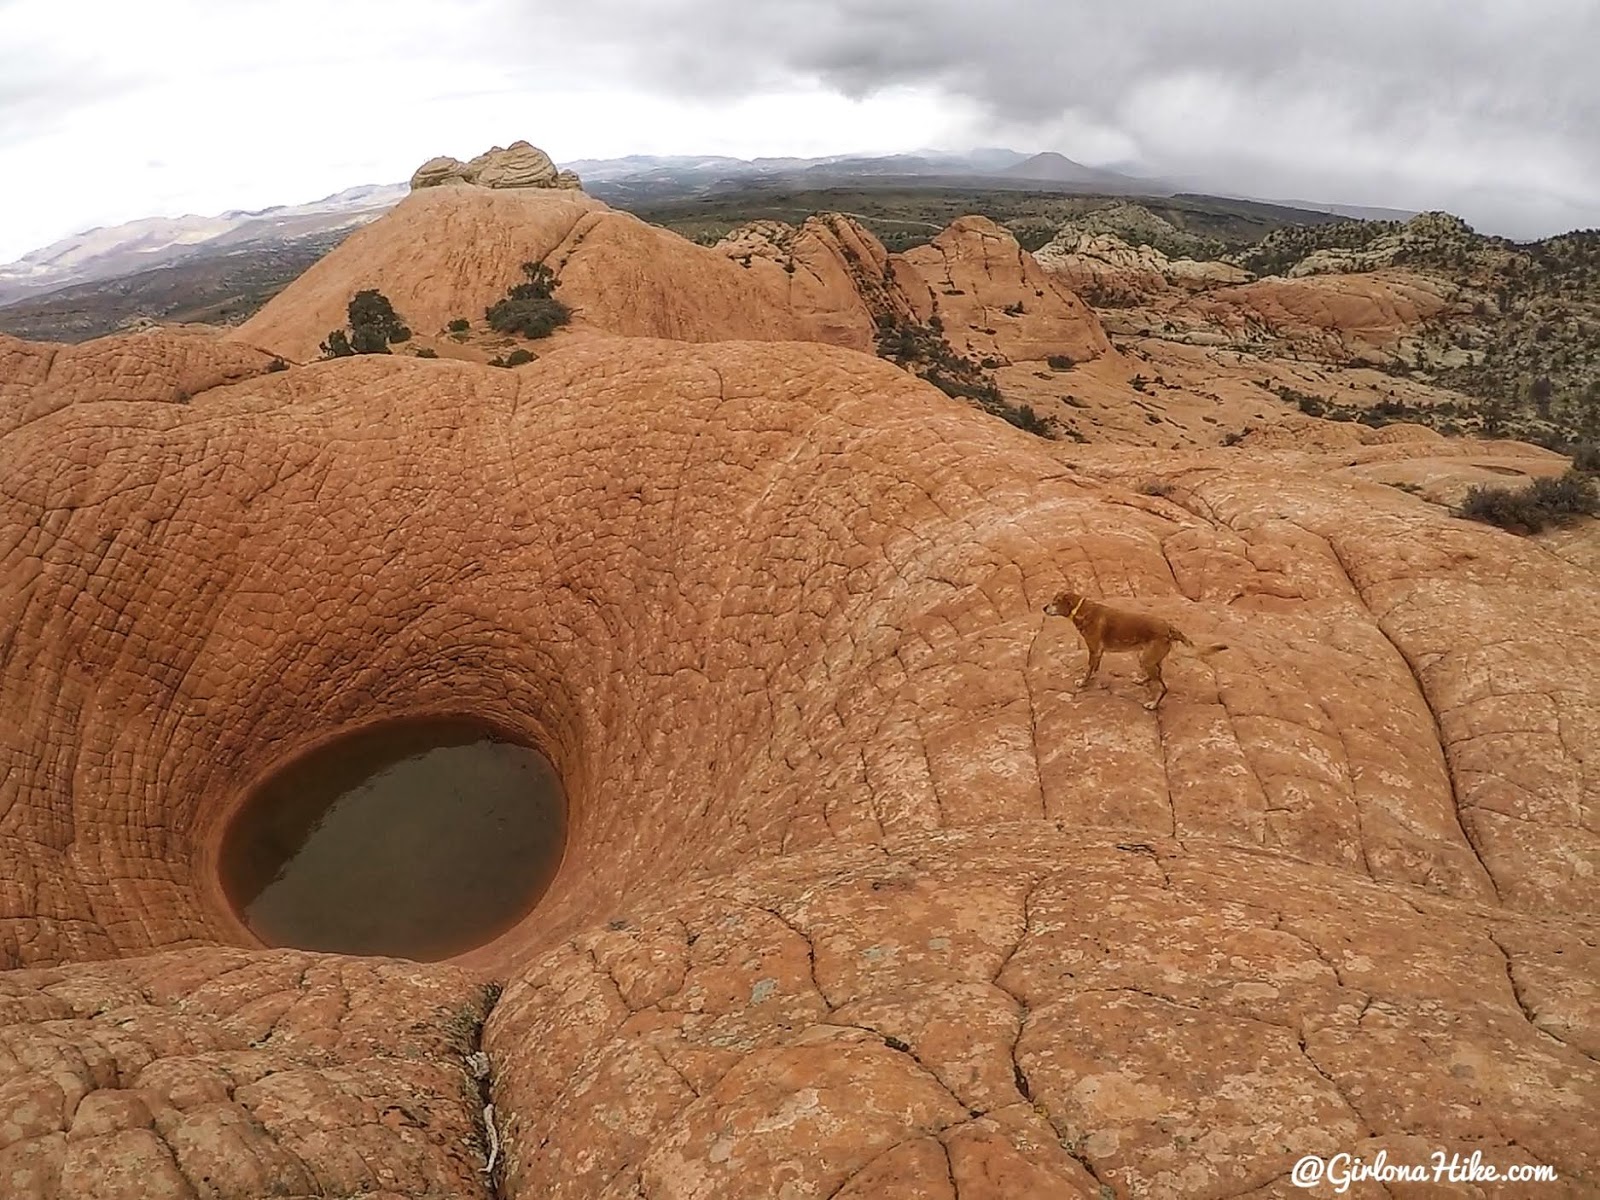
112 110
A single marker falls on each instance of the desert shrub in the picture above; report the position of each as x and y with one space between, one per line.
963 388
1508 508
1386 412
530 309
373 325
425 352
1024 418
1312 406
1060 362
459 325
1529 509
515 359
1156 487
924 351
1587 458
1571 494
277 364
337 345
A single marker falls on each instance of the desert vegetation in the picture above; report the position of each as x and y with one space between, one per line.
1521 336
515 359
373 324
530 308
1542 503
1283 248
926 352
904 217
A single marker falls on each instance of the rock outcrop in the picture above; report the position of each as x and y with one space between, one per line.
861 897
995 301
448 253
519 165
1334 315
1424 236
1106 268
1135 225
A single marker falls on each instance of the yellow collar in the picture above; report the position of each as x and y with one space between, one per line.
1074 613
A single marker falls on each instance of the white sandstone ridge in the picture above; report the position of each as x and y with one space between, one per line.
1429 234
1138 226
1103 265
518 165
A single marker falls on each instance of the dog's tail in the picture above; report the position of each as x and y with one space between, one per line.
1203 648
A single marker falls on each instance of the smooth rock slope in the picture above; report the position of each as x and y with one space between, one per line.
861 899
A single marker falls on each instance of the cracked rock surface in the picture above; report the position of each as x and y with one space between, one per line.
861 898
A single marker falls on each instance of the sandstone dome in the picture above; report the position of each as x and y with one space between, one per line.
861 897
449 252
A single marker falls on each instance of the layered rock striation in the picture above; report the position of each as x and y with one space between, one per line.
519 165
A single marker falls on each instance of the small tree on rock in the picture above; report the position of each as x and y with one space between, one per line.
337 345
530 309
373 325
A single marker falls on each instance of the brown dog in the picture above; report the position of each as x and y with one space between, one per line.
1106 628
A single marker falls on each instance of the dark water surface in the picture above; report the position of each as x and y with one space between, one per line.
420 839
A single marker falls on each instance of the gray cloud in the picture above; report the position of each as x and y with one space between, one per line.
1488 109
1419 103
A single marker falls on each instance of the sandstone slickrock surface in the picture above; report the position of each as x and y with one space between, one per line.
37 379
861 898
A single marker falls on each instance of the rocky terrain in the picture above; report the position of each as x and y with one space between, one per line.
862 897
1477 333
222 270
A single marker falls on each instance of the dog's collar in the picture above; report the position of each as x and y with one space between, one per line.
1074 613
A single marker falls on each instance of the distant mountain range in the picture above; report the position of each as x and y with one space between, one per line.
158 242
116 250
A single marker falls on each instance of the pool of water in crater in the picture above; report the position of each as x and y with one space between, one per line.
421 839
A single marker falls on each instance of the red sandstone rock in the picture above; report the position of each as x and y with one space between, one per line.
447 253
861 898
995 300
